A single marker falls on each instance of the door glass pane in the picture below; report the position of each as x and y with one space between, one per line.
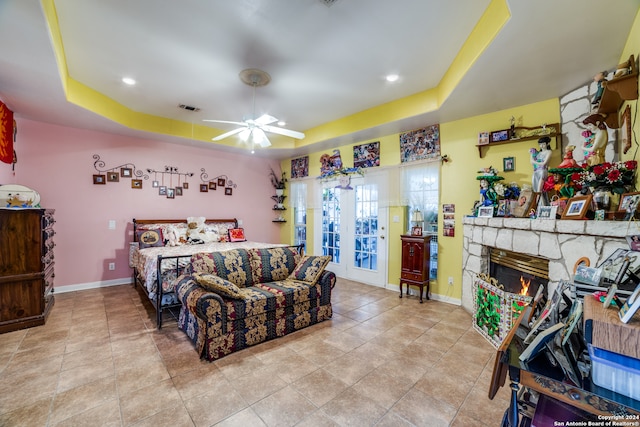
331 223
366 227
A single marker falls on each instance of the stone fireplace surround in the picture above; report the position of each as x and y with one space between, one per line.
562 242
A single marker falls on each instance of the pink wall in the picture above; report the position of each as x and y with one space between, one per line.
58 162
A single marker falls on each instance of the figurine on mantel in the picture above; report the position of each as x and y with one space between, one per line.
599 79
568 160
540 161
596 142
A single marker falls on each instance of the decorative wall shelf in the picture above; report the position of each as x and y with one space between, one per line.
616 91
529 134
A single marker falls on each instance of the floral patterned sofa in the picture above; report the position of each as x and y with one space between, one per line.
241 297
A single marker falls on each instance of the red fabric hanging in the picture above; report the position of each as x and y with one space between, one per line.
6 134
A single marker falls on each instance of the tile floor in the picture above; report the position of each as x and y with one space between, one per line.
381 360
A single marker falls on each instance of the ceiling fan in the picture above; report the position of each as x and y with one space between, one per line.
254 129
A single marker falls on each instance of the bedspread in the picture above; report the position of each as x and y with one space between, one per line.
146 260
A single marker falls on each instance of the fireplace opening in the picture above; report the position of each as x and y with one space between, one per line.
499 297
515 271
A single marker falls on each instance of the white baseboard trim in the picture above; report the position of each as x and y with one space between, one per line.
445 298
91 285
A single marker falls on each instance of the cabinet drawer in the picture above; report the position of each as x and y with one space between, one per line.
416 277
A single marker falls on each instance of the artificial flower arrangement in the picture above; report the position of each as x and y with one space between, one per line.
616 177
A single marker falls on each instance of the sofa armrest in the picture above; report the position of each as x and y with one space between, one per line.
327 277
207 305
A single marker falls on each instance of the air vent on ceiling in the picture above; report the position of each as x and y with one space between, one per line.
188 107
328 3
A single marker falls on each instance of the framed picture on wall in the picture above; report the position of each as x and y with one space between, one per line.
204 188
126 172
508 164
185 185
178 191
99 179
213 185
113 177
136 183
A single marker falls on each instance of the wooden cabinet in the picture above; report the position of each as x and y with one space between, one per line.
26 267
415 263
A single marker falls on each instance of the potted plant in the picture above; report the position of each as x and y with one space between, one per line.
278 182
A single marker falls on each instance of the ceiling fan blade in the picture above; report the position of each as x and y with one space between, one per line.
227 134
265 119
285 132
226 121
260 138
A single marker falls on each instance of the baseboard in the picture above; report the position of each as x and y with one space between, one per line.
91 285
445 298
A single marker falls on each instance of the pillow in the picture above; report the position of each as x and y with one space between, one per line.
310 268
218 285
236 235
149 238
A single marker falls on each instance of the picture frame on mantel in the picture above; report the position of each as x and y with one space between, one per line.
577 207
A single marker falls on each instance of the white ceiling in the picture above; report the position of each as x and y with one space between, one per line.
325 62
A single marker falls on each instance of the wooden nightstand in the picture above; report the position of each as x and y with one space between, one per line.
415 263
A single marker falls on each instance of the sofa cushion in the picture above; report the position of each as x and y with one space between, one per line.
310 268
253 301
233 265
218 285
272 264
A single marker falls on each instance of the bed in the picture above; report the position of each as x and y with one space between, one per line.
156 264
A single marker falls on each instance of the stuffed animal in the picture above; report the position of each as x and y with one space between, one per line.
171 235
195 229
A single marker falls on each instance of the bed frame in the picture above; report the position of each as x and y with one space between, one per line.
139 279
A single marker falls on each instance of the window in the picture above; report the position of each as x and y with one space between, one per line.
299 204
331 223
420 190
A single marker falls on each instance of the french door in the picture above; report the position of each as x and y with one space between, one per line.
352 227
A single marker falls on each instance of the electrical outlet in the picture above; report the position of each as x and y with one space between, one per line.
450 281
112 266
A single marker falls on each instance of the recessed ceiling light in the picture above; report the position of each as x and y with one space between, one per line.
128 81
392 77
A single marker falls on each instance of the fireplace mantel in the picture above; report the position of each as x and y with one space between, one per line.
562 242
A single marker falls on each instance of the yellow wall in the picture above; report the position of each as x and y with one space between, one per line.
458 182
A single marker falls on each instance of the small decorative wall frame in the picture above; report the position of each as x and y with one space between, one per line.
169 173
178 191
509 164
220 181
171 193
136 183
99 179
113 174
